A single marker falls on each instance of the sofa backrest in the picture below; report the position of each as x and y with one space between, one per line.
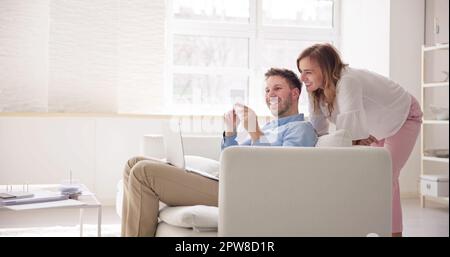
300 191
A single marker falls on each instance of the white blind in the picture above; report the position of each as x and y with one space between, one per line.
23 56
98 56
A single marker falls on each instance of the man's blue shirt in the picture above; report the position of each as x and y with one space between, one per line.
288 131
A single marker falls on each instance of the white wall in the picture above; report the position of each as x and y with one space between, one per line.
385 36
365 34
406 39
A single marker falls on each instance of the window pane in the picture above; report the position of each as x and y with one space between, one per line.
212 10
301 13
283 54
210 51
209 89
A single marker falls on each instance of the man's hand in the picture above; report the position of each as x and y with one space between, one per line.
367 141
249 119
231 121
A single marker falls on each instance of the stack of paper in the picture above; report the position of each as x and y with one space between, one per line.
15 195
53 204
38 197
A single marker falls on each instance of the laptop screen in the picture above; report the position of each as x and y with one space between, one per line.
173 143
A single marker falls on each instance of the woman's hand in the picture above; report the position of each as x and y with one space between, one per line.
367 141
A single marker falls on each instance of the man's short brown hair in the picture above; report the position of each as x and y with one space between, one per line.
289 75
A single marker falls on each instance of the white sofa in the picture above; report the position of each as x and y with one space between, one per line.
328 191
295 191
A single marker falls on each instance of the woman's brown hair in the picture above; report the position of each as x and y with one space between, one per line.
331 66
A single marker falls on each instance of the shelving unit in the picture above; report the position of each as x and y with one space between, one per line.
437 84
434 159
442 122
435 186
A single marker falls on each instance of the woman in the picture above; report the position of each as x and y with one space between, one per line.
373 109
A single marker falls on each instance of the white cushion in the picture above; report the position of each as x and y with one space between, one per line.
207 165
338 138
167 230
198 217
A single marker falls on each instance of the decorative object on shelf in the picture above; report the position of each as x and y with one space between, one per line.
71 187
440 113
434 185
71 190
446 76
440 153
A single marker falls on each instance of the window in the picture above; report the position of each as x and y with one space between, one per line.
219 50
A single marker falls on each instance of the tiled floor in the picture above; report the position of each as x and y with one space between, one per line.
431 221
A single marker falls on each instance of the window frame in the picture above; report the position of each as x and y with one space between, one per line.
256 33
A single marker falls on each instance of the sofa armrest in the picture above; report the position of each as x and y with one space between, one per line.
299 191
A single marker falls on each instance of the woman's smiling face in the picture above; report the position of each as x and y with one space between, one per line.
311 74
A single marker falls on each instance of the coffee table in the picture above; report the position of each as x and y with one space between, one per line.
86 200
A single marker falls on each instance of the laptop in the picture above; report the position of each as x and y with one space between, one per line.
173 146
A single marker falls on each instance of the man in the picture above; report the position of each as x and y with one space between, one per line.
149 181
283 90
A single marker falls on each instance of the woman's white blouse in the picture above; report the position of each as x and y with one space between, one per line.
366 104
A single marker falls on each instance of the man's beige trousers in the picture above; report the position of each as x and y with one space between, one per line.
148 181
